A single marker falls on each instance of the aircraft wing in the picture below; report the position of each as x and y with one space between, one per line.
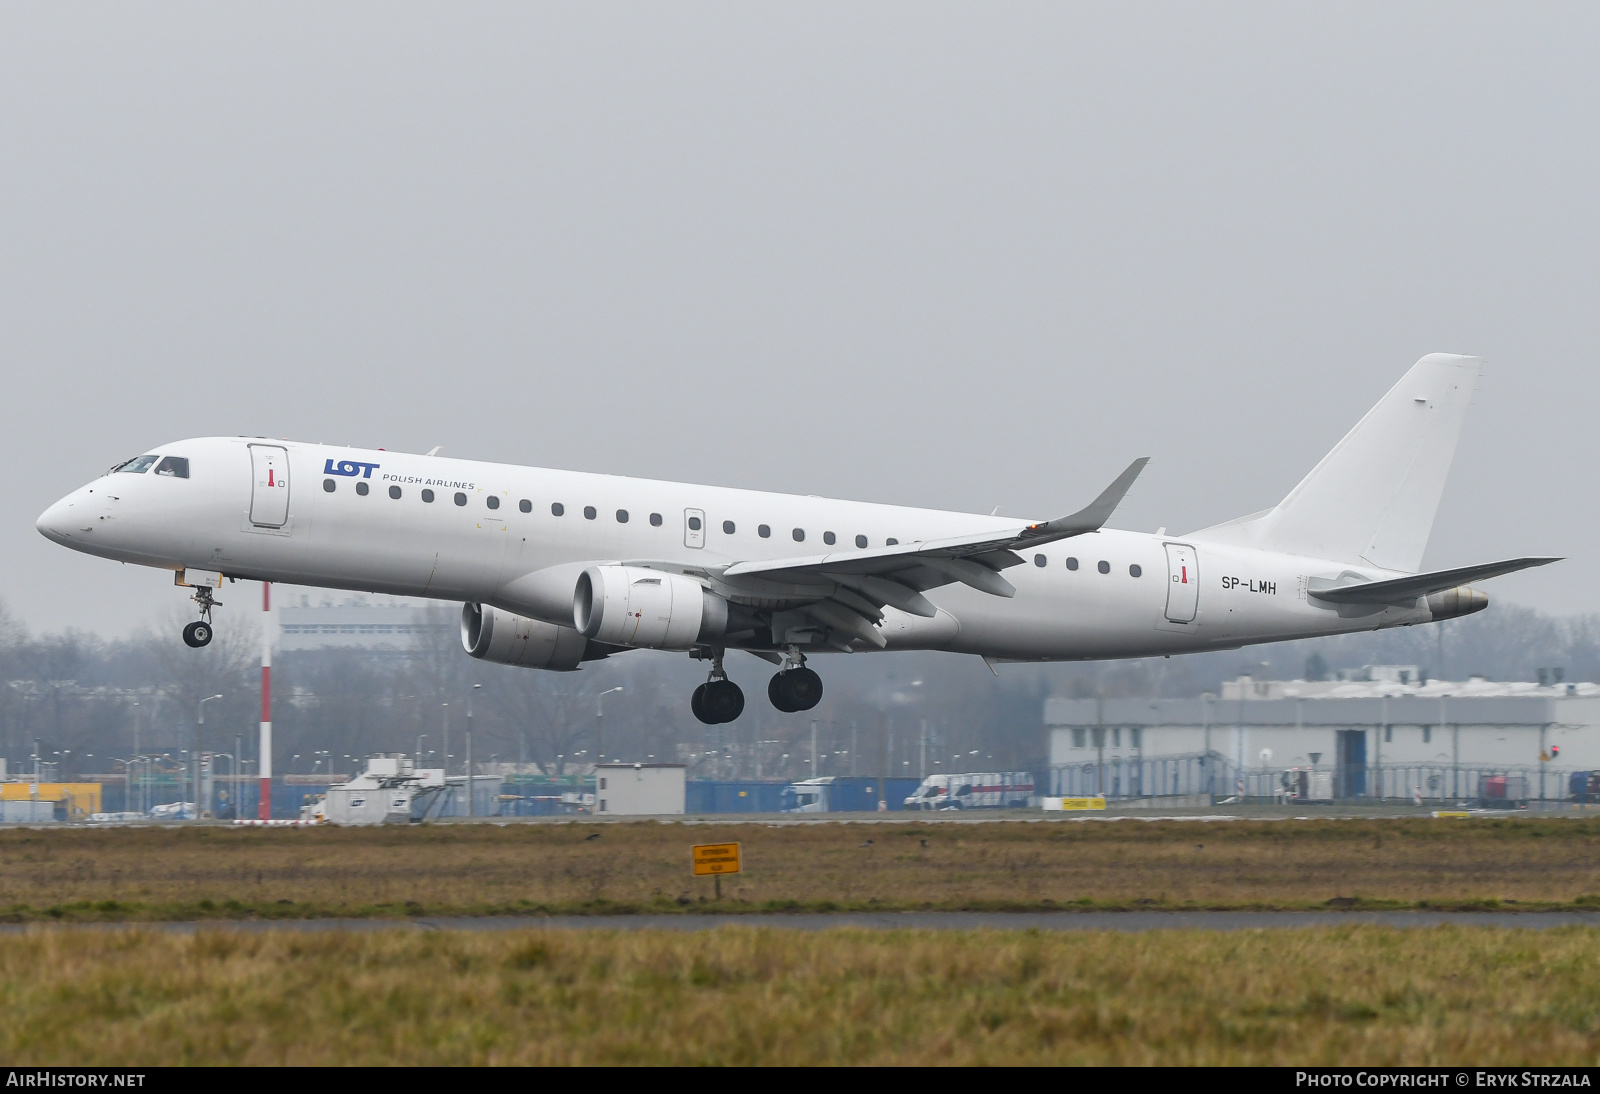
1403 590
866 580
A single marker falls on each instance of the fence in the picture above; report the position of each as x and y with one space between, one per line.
1212 773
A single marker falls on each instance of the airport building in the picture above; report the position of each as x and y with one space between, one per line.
388 624
623 790
1390 735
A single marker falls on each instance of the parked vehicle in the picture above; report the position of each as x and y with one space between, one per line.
1503 791
845 794
974 790
1584 786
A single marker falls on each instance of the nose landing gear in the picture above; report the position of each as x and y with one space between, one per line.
796 688
199 632
718 699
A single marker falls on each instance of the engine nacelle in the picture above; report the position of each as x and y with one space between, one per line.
632 606
1455 602
491 634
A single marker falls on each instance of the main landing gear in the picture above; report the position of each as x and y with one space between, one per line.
791 690
718 699
198 633
794 690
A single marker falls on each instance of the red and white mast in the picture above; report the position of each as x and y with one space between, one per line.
264 806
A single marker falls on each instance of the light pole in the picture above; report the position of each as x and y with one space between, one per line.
471 811
420 738
600 724
444 747
199 743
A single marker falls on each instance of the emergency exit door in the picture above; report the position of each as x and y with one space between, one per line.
1183 583
269 492
694 528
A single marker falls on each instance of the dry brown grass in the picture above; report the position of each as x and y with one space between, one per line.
744 995
476 869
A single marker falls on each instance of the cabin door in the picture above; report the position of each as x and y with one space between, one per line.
269 491
1183 583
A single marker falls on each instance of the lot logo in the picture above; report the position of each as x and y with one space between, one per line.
350 468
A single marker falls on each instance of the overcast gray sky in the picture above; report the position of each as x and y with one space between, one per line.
945 255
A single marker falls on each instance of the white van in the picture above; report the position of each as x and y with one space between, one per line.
974 790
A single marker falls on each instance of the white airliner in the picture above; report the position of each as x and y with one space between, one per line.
560 567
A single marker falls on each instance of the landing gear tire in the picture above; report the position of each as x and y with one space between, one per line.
197 634
794 690
723 700
717 701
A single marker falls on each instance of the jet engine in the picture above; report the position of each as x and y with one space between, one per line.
491 634
1458 601
632 606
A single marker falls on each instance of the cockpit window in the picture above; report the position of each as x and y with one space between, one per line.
136 466
176 467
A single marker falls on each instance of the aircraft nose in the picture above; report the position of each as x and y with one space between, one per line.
55 523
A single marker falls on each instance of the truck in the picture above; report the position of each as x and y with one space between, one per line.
974 790
845 794
387 792
1503 791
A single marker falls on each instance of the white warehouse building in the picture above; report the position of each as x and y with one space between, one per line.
1386 736
639 790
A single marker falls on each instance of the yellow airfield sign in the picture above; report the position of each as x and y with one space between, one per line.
1083 803
716 858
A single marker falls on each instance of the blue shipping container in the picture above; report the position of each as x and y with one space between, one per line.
748 796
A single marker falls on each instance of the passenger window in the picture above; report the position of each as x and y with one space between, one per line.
1072 563
764 531
1104 567
622 516
494 502
589 512
136 466
799 535
861 541
655 520
828 538
394 492
556 509
427 496
328 485
727 527
525 505
694 524
1039 560
460 498
362 488
1135 570
176 467
891 543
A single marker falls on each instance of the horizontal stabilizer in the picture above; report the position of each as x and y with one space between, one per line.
1401 590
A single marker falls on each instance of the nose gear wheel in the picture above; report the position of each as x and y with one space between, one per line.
199 633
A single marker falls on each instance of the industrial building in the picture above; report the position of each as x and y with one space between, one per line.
1389 735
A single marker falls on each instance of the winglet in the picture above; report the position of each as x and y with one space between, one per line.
1092 516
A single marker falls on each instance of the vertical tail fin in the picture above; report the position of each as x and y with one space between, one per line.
1373 498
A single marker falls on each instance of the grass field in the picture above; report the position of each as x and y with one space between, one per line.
745 994
217 872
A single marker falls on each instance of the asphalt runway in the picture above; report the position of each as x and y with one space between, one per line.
1045 921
